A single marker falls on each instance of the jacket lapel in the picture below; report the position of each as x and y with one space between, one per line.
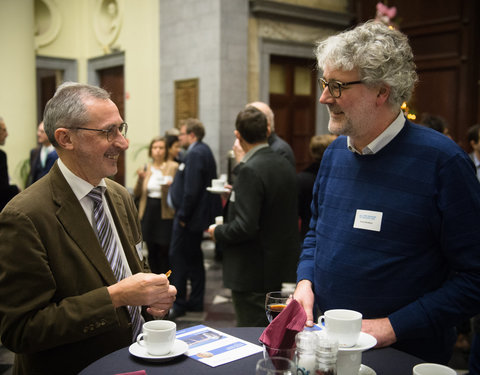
70 213
120 217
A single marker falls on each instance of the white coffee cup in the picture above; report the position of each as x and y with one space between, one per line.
218 184
158 336
349 362
432 369
223 177
219 220
343 326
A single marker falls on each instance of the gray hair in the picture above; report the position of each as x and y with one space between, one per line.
66 109
382 56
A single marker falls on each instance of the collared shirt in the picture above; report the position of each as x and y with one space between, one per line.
252 151
44 151
81 188
383 139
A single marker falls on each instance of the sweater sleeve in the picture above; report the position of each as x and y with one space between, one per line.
457 299
305 269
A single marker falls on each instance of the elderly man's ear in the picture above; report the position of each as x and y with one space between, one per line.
62 136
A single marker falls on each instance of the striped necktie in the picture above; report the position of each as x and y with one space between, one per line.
109 245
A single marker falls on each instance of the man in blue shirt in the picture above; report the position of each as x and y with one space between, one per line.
396 206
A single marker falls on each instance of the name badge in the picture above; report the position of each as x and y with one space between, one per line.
181 167
368 220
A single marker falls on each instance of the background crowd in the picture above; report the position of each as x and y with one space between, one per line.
386 206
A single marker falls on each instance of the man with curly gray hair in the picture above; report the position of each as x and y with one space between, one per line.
395 209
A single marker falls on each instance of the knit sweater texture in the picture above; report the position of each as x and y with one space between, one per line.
422 269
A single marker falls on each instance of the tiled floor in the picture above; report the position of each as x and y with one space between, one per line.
218 312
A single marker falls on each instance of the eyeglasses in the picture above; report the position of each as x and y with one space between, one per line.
112 131
335 87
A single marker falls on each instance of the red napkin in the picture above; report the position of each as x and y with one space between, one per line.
141 372
281 332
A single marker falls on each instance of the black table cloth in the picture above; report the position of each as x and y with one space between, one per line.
386 361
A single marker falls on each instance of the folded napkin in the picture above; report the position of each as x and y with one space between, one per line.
141 372
281 332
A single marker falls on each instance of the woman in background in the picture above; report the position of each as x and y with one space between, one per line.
156 217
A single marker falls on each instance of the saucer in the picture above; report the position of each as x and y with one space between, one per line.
179 348
365 342
216 190
365 370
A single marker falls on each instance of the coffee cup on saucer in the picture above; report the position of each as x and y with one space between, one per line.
218 184
158 336
343 326
432 369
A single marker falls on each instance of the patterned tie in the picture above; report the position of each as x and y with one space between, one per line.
109 245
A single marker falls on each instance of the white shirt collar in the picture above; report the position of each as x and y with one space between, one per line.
383 139
79 186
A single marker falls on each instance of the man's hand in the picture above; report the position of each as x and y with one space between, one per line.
381 329
304 295
211 231
144 289
238 151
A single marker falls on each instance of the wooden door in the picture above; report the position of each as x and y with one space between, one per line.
112 80
444 38
292 99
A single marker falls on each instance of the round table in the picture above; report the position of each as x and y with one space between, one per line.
385 361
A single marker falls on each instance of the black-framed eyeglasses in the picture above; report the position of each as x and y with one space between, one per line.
112 131
335 87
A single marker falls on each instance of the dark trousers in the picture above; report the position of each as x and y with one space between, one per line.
186 261
249 309
474 364
158 257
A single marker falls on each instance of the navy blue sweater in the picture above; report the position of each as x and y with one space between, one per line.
422 269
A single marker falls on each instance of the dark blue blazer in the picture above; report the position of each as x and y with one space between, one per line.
193 204
36 169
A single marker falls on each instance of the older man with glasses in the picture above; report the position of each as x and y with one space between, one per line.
396 206
74 285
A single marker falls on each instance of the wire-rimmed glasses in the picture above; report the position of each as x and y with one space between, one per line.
112 131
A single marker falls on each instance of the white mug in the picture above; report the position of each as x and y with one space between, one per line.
432 369
218 184
219 220
349 362
343 326
158 336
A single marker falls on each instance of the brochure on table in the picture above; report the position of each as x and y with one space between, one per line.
215 348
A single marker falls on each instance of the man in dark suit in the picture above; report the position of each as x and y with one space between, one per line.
63 304
195 208
42 157
260 237
7 191
274 141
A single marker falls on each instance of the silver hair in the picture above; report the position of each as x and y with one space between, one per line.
66 109
382 56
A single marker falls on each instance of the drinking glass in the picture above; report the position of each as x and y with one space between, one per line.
275 302
275 366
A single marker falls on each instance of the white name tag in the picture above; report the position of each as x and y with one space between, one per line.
181 167
368 220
